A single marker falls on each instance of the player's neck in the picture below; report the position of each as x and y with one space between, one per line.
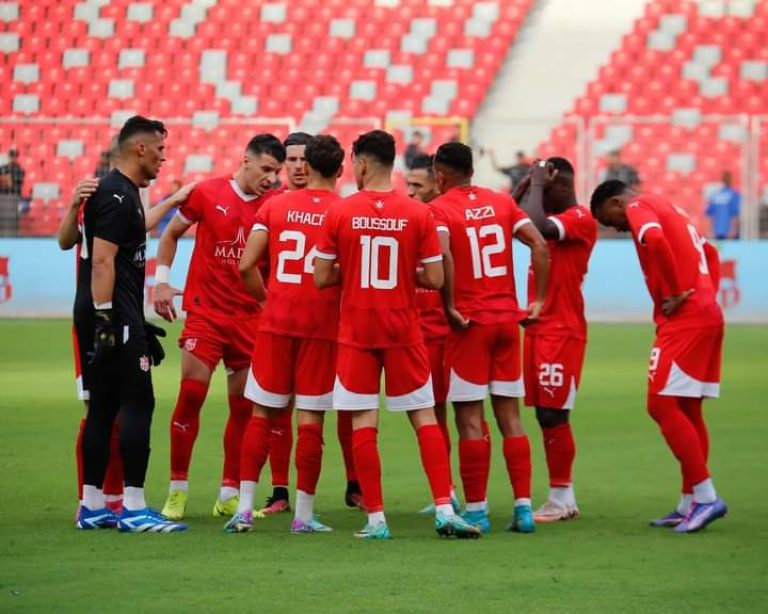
328 185
132 172
463 184
378 184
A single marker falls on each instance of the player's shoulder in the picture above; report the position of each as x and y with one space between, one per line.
114 188
210 188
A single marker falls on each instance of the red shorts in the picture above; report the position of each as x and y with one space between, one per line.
552 368
686 363
484 357
212 339
283 366
436 353
407 376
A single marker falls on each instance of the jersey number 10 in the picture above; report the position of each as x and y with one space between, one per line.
370 257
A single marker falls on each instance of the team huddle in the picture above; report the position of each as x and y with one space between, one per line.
307 297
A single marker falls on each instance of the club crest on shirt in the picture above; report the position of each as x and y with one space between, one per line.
144 363
190 344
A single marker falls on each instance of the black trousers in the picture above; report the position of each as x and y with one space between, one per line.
124 382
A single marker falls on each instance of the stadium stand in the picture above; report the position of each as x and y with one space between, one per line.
682 98
73 70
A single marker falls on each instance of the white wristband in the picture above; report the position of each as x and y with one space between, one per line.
106 305
162 274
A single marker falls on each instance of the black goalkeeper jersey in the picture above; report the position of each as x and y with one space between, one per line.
114 213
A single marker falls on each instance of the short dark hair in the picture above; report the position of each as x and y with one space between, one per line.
297 138
376 144
563 166
139 124
423 161
456 156
325 155
266 144
607 189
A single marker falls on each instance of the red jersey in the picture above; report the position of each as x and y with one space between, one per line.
224 214
650 213
295 307
563 312
481 224
434 326
378 240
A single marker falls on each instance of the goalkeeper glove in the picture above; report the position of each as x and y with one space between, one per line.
156 352
103 338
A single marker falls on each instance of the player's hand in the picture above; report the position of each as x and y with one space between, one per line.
541 173
182 194
103 338
84 190
532 313
455 320
164 295
672 304
156 351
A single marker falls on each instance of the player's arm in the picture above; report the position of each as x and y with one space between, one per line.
454 317
541 175
153 215
166 252
651 235
326 271
68 234
249 272
531 237
521 188
431 275
713 263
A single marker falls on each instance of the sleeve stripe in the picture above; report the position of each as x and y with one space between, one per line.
442 229
325 256
645 228
560 227
520 224
180 215
258 226
437 258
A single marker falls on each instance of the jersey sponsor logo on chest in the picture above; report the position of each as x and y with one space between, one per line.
379 223
305 217
230 251
480 213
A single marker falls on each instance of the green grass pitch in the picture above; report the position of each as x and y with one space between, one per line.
607 561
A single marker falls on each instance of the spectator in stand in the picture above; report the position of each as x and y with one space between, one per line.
623 172
517 172
175 187
414 148
11 175
104 165
724 209
11 203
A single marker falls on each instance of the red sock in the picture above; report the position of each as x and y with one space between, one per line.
240 410
681 436
255 448
309 457
280 444
560 450
113 478
185 423
368 467
474 466
79 459
344 433
434 459
442 421
692 409
517 453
